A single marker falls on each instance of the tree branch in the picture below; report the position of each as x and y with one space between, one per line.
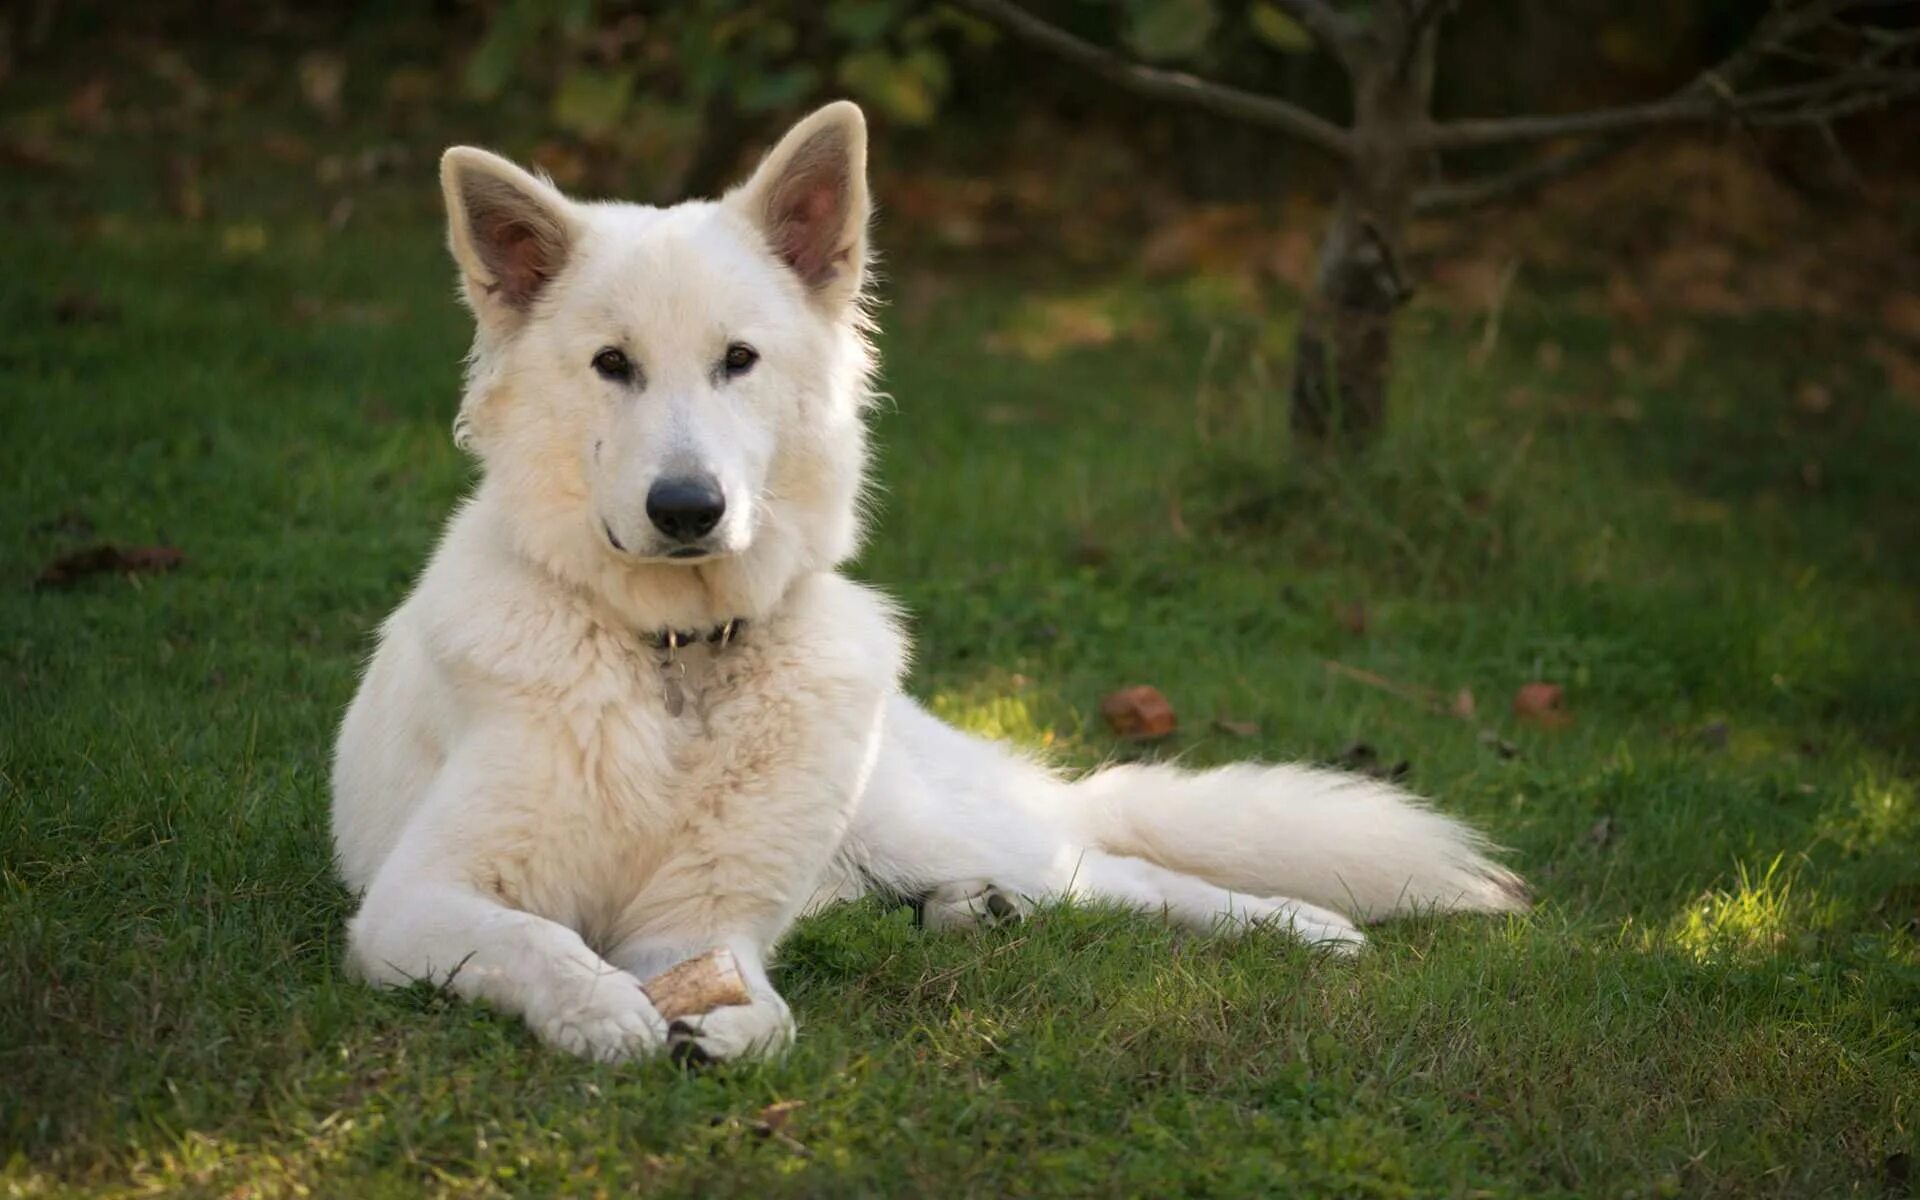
1426 14
1517 181
1175 86
1853 85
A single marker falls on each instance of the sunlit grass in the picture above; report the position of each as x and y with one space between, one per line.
1762 912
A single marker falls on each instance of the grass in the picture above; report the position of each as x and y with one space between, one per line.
1718 995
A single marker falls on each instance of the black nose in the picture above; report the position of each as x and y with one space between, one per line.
686 508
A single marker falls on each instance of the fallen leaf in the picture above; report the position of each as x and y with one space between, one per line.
1352 616
1542 704
105 557
1463 705
1139 713
1240 729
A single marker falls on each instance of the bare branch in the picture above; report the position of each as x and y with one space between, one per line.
1161 84
1424 15
1853 85
1516 181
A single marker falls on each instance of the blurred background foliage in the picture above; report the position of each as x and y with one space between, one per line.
987 156
661 98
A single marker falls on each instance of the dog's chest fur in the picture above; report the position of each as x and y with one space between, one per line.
643 796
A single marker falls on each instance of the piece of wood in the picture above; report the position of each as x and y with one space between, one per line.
698 985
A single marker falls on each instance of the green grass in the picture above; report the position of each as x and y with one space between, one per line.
1719 993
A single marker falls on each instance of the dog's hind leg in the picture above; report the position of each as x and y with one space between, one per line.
1148 887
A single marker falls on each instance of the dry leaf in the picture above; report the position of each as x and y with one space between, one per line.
1241 729
1352 616
1542 704
1139 713
1463 705
106 557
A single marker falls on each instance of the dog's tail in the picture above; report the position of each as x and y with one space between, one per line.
1341 841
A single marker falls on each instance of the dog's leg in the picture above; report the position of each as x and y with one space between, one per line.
426 916
415 927
1138 884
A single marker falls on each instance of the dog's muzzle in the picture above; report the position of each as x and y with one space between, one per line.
685 509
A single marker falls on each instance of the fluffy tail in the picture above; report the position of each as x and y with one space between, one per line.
1341 841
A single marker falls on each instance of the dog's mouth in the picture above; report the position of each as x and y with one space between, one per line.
678 555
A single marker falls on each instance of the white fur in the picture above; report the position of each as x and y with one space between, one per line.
530 821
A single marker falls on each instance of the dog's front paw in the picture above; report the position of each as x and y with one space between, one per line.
611 1022
762 1028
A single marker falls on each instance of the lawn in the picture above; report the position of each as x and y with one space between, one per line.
1718 994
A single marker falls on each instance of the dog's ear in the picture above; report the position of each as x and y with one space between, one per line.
510 231
809 199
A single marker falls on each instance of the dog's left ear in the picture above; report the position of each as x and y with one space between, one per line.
809 200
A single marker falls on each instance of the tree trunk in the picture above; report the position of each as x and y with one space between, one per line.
1343 355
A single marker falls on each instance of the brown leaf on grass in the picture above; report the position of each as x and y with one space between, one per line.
1353 616
1239 729
106 557
1542 704
1139 713
1463 705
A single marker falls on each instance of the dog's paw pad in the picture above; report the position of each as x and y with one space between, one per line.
970 904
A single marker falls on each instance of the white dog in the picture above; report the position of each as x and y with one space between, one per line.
631 713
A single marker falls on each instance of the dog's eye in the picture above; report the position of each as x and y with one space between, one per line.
614 365
740 358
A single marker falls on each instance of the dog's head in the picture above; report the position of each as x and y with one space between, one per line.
667 401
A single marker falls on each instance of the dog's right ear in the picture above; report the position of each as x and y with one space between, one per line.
510 232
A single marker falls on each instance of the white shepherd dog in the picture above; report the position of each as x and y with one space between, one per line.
631 712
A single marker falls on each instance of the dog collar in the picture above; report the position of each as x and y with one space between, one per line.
720 636
673 672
